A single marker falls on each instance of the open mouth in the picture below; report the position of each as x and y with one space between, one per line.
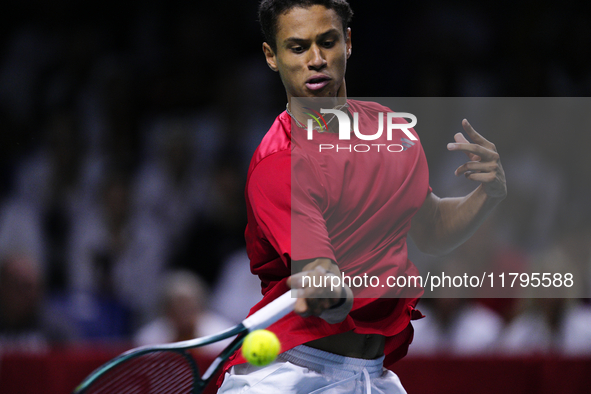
317 82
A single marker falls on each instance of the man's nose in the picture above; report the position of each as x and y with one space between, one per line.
317 60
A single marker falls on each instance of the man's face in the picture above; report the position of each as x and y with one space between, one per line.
312 52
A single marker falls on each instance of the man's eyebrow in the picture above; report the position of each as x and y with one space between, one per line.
295 40
321 36
329 33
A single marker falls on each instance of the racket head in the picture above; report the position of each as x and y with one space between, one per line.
170 368
161 369
157 371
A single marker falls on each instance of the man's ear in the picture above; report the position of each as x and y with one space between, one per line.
270 56
348 44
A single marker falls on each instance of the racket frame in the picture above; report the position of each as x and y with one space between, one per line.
264 317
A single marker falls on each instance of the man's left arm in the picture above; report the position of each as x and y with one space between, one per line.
442 224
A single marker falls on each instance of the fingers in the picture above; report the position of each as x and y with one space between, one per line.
477 138
483 177
301 307
312 306
474 149
480 151
312 298
476 167
459 138
480 145
484 165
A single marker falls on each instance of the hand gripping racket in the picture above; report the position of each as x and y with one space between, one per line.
169 368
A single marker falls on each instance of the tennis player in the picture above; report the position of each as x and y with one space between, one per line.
335 341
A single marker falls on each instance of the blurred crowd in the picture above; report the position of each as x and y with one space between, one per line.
126 132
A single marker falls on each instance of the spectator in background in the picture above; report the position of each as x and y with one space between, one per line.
455 326
170 185
235 274
457 322
25 325
524 326
117 255
184 314
219 231
50 183
562 324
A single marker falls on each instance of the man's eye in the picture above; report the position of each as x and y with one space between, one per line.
328 44
297 49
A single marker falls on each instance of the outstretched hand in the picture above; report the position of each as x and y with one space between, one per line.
312 300
484 165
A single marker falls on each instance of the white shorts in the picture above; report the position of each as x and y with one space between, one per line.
305 370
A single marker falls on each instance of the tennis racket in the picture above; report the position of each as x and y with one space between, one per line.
169 368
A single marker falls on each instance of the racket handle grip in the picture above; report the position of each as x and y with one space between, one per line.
270 313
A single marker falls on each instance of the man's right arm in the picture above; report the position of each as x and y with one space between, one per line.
272 199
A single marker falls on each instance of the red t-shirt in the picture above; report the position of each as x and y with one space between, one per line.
351 206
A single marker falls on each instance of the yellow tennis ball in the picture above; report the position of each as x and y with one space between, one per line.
260 347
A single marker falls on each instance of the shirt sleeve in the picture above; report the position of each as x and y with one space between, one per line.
290 218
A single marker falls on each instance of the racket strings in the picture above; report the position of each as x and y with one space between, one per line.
159 372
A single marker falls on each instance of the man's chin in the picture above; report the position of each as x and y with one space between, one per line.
320 93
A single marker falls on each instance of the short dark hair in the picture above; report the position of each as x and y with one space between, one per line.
269 11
